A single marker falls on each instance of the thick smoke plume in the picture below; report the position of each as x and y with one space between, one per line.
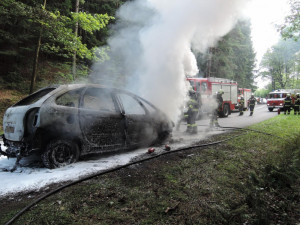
155 42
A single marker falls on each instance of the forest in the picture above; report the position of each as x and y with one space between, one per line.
46 42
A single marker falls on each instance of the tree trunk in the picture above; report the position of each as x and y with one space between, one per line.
35 64
209 62
36 59
76 33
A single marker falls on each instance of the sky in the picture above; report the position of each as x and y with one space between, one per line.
264 15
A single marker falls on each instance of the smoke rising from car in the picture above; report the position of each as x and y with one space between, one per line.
154 43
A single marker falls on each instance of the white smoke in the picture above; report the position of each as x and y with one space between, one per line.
153 42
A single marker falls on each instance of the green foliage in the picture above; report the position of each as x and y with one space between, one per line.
91 23
281 64
23 21
232 58
262 92
291 28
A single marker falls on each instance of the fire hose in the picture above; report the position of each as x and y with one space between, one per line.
16 216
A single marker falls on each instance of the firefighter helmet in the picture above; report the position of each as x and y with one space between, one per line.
252 95
288 95
220 92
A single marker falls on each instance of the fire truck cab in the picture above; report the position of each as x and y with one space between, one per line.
275 99
208 87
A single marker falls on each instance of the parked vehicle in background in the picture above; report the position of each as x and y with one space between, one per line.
263 101
64 122
246 93
208 87
275 99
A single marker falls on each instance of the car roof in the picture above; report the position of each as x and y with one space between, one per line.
75 86
65 87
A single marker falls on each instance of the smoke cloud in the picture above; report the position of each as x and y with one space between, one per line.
154 45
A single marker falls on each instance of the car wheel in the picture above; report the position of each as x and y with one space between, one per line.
270 109
59 153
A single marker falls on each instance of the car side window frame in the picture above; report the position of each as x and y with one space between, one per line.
133 97
79 97
116 105
147 105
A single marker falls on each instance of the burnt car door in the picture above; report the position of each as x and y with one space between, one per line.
100 120
138 123
59 114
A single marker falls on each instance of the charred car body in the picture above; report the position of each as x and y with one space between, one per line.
64 122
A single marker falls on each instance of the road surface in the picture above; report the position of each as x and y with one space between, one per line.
260 114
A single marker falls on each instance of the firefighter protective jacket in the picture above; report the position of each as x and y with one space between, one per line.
252 101
287 101
242 101
297 102
219 101
193 105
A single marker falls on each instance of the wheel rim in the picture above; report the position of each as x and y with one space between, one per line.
62 154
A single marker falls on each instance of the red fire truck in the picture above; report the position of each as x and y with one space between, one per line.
276 98
207 87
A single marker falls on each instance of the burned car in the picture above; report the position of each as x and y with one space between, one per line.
62 123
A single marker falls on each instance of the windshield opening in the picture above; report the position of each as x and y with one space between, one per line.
277 95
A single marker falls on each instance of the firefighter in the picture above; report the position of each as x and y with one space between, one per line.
241 105
287 104
297 104
192 112
251 103
214 117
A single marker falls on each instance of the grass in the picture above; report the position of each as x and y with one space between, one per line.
251 179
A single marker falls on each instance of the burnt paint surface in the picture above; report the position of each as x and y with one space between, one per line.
102 130
60 120
140 129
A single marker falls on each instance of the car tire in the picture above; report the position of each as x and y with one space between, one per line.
59 153
271 109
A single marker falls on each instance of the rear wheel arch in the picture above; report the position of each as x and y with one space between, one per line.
30 122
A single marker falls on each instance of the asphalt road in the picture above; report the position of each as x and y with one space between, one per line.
260 114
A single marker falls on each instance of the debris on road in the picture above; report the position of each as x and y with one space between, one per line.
167 148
